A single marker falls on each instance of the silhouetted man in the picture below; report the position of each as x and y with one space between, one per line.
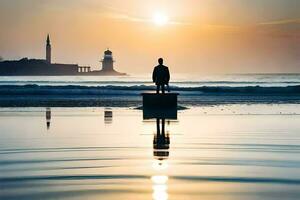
161 76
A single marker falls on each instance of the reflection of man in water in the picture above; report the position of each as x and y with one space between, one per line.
161 76
161 141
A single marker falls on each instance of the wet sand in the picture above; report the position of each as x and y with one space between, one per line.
218 152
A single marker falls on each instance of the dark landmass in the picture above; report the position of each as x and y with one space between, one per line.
39 67
44 67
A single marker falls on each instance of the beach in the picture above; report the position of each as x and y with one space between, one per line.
230 151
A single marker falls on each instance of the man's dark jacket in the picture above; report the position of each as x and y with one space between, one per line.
161 75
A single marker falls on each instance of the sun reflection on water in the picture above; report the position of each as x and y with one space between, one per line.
160 187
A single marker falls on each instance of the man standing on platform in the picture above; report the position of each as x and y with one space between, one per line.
161 76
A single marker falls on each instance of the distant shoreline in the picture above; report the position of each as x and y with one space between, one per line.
266 74
79 74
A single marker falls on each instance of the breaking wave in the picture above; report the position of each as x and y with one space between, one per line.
132 90
129 96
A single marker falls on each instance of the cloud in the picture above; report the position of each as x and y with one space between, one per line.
125 17
119 14
285 28
220 27
288 28
281 22
130 18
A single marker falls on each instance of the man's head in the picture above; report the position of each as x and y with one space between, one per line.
160 61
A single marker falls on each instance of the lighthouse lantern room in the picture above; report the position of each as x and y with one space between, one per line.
107 62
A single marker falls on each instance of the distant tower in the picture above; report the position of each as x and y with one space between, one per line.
48 50
107 62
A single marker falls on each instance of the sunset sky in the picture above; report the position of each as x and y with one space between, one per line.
194 36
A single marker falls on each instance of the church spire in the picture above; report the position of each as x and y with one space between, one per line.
48 40
48 50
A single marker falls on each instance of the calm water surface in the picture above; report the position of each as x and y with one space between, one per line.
220 152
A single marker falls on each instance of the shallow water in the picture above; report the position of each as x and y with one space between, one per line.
220 152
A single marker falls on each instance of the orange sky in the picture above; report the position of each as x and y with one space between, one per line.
201 36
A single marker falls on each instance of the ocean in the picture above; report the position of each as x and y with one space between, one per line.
125 91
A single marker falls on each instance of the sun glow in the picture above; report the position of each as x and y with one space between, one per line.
160 19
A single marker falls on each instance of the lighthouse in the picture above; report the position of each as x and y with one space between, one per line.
108 62
108 65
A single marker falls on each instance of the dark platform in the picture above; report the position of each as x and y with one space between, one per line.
160 101
160 105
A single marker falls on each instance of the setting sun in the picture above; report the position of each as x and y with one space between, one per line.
160 19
